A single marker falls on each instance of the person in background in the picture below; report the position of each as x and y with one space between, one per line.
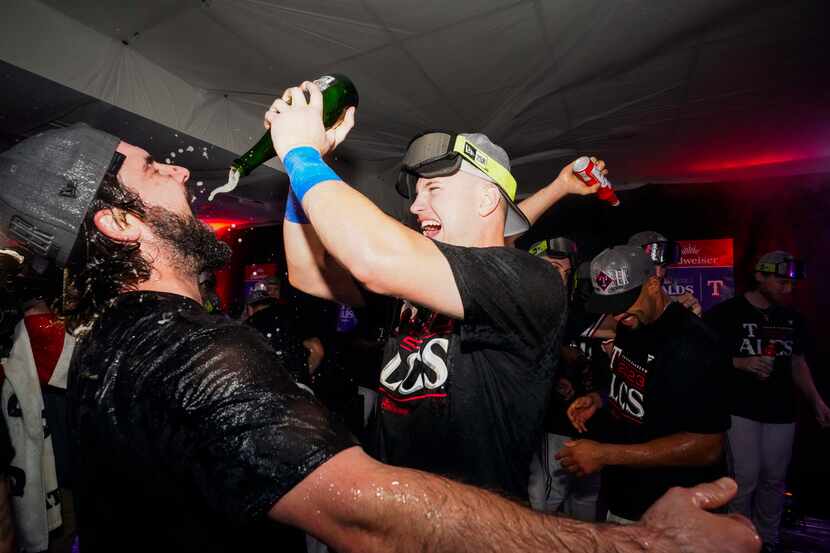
10 262
663 253
766 340
207 288
668 411
273 286
550 487
34 406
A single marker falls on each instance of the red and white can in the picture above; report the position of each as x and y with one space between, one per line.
590 174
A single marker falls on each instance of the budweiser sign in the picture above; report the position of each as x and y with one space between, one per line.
706 253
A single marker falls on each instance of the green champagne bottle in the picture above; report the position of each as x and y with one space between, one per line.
339 93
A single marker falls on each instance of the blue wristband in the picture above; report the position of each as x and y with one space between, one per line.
306 169
294 209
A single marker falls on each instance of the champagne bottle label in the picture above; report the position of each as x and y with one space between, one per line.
324 82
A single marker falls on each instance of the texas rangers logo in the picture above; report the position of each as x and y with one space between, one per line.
604 281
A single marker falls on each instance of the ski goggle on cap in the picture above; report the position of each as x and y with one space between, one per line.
659 249
663 253
781 264
556 248
440 154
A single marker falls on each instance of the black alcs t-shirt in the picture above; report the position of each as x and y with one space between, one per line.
186 430
467 398
666 378
746 331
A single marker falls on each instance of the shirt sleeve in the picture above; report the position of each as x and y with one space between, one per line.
506 293
233 425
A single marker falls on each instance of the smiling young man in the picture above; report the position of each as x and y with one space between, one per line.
467 370
667 406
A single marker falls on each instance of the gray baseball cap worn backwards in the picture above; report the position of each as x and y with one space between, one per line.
617 277
47 183
443 153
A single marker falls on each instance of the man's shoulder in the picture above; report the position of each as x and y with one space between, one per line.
168 346
508 253
519 275
168 324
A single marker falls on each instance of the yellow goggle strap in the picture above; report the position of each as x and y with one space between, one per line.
487 165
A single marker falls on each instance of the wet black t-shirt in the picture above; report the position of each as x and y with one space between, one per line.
186 430
745 331
666 378
467 398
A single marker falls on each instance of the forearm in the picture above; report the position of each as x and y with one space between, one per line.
536 205
803 379
678 450
357 233
455 517
384 508
311 270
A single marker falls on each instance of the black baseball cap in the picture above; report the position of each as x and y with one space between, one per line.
47 183
617 277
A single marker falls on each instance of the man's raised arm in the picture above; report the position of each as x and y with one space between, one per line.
546 197
384 255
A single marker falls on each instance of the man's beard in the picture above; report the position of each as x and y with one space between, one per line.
193 247
774 298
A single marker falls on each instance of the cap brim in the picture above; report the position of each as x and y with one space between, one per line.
516 221
614 304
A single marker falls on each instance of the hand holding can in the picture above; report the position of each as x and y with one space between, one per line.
590 174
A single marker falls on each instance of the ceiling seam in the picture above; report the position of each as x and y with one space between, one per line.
396 42
183 6
415 36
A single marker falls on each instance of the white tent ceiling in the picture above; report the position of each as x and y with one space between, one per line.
665 91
